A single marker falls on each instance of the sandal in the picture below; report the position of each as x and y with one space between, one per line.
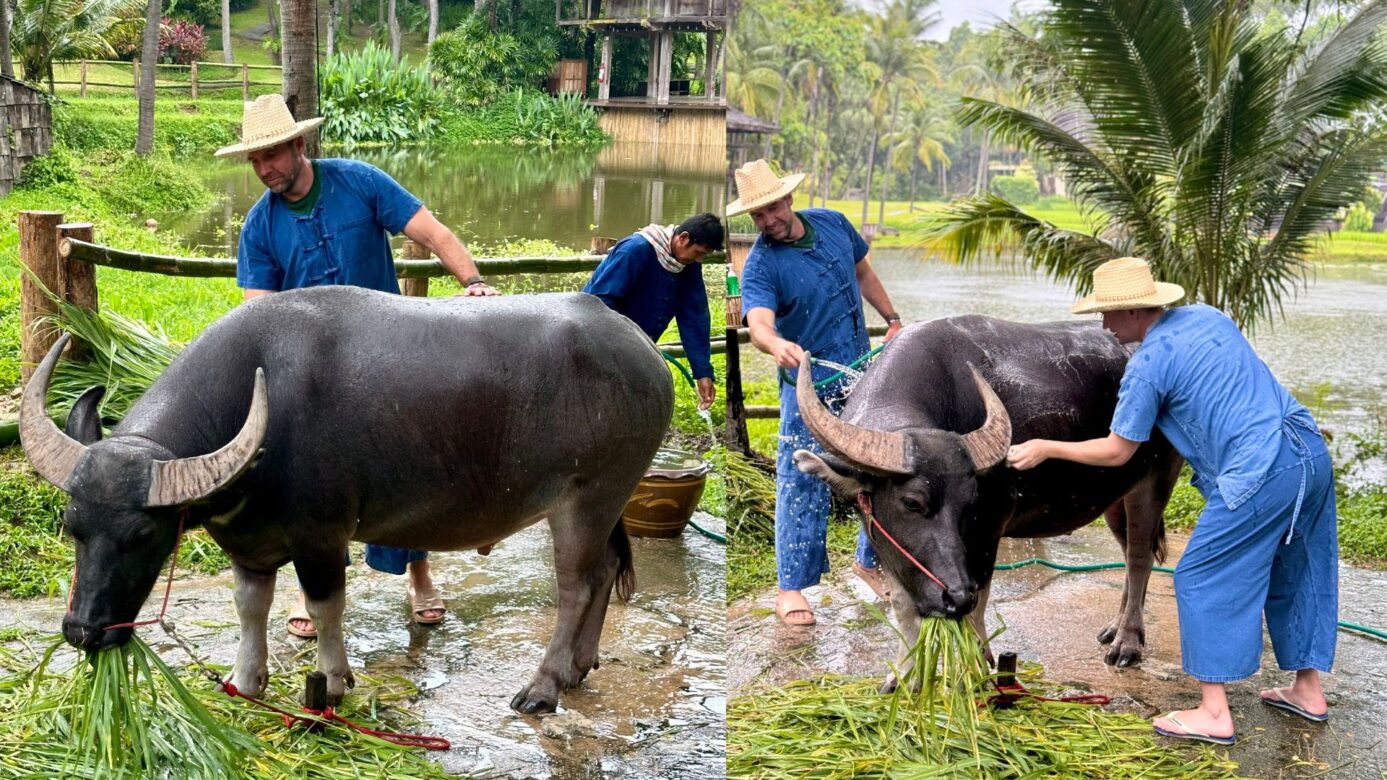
1186 732
874 579
300 613
796 616
423 601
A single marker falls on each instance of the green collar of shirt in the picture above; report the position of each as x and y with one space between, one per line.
807 240
305 204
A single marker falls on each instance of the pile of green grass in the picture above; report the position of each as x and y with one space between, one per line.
933 726
125 713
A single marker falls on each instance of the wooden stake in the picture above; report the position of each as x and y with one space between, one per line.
38 253
194 82
79 282
245 82
82 71
136 76
418 288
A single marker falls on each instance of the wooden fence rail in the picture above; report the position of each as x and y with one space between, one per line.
192 86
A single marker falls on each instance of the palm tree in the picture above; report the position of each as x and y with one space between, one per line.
45 30
921 142
6 59
299 53
899 65
1211 145
753 82
149 54
226 31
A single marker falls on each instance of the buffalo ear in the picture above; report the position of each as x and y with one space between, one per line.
841 479
84 421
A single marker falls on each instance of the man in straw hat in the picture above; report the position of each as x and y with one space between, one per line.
1266 541
802 289
329 222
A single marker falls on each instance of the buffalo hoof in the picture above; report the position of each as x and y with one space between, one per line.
1107 635
889 685
251 682
337 687
1124 653
531 702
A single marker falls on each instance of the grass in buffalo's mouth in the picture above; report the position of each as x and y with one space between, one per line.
125 713
933 726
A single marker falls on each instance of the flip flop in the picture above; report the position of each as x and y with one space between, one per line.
1281 702
300 612
787 616
874 579
1189 733
424 600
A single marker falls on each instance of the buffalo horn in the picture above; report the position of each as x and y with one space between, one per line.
988 444
53 453
878 452
186 480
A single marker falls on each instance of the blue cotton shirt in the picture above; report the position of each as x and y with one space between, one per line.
1197 379
631 281
344 240
813 292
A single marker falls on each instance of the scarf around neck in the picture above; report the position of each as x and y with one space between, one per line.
659 237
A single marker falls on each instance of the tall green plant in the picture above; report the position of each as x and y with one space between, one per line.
1211 145
45 30
367 97
478 65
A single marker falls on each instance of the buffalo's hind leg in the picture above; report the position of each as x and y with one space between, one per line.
1138 522
324 581
589 555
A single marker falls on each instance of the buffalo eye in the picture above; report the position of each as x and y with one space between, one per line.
913 503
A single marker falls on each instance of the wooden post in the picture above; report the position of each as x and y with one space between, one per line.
604 85
245 83
136 61
737 437
194 82
82 76
38 252
666 64
79 282
652 78
710 61
419 288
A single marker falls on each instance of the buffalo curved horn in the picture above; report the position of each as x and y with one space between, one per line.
879 452
183 481
988 444
52 453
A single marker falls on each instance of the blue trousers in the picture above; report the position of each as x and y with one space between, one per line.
802 504
392 560
1276 554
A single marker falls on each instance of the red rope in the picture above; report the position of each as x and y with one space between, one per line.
290 718
864 502
1007 694
178 540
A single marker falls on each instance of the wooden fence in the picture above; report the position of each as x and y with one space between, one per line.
62 257
185 78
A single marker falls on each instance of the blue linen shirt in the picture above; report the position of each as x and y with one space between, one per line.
1197 379
631 281
813 292
344 240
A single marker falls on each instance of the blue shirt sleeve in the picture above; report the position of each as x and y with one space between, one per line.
859 245
758 288
1138 405
395 205
255 267
694 321
614 276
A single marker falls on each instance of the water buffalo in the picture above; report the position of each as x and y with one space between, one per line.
335 414
924 436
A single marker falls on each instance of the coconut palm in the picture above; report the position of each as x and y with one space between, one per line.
1195 136
149 53
299 53
920 142
898 66
45 30
753 82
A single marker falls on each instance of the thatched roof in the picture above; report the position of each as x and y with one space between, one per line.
738 122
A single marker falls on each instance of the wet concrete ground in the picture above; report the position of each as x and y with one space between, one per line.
654 709
1053 618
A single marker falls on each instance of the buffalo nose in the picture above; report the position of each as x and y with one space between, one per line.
959 601
79 634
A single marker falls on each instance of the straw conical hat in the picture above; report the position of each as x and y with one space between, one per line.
267 122
758 185
1126 283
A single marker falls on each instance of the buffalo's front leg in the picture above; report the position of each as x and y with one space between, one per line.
325 588
254 593
1136 521
908 623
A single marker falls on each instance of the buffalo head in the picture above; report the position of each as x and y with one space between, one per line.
922 485
125 501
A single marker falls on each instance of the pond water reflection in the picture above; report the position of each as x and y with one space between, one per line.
489 194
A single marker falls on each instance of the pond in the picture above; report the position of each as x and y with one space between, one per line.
490 194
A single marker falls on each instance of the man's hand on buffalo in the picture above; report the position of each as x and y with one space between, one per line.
478 289
1028 454
892 328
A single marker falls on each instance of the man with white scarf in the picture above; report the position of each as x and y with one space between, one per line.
647 277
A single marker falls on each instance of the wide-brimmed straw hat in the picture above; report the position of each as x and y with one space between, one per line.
267 122
758 185
1126 283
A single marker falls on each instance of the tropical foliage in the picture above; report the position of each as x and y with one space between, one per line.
477 65
367 97
45 30
1197 135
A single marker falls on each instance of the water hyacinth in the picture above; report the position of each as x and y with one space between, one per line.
124 713
935 726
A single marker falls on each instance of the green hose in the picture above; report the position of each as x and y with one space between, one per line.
717 537
868 355
688 376
1344 625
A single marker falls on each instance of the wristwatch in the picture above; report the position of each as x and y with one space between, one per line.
473 281
892 317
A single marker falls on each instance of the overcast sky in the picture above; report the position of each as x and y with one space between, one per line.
979 13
